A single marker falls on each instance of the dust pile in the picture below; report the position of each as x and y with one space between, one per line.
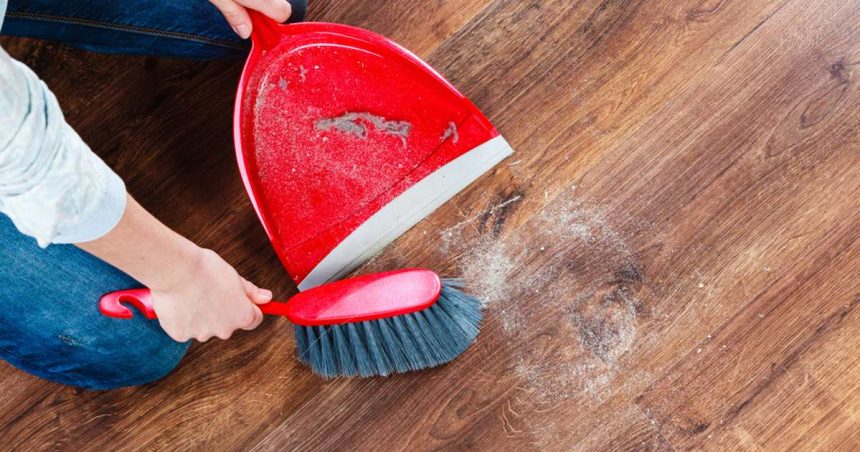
357 124
585 277
450 132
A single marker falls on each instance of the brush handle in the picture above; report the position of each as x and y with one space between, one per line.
367 297
111 304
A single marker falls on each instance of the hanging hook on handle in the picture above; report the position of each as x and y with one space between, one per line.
111 304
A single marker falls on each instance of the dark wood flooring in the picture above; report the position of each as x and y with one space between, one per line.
671 259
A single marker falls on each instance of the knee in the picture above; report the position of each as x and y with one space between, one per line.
132 353
133 363
144 371
63 337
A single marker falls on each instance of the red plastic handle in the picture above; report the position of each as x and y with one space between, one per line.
111 304
266 32
367 297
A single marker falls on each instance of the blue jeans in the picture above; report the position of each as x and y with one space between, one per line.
50 325
176 28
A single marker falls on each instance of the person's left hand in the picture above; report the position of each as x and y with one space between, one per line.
236 12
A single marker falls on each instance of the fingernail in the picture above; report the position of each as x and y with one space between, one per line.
243 30
266 293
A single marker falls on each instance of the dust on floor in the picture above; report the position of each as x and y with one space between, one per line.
571 340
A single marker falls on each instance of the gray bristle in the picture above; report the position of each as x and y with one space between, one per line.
396 354
312 353
410 351
420 333
398 344
359 351
439 321
376 348
301 343
326 364
343 355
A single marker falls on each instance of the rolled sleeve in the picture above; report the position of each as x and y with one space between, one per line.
103 215
52 186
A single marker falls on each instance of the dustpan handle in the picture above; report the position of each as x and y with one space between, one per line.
265 32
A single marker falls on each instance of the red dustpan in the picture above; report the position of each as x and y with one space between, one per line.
345 140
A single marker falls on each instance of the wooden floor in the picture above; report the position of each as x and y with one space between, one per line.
671 259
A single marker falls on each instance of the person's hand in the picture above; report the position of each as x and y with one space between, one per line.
195 293
211 300
236 12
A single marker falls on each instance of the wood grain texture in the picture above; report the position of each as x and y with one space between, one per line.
670 259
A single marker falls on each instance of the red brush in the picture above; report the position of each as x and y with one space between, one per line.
344 141
369 325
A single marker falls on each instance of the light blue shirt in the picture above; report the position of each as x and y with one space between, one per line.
52 186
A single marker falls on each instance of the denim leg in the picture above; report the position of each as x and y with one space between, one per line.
185 29
50 325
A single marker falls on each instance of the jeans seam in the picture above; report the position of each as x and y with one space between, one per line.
123 28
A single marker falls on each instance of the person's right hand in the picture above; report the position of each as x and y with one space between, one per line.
195 293
212 300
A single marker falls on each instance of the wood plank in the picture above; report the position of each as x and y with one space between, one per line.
418 26
818 393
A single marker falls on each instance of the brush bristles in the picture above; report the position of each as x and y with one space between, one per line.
413 341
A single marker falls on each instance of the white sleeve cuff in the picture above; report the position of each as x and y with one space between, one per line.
101 219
